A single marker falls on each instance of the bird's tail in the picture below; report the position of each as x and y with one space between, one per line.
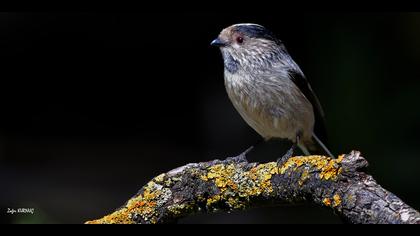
316 146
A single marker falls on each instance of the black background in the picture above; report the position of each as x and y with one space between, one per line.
96 104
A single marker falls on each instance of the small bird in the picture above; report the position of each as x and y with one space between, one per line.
269 90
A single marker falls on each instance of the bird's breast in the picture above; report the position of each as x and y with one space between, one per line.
270 107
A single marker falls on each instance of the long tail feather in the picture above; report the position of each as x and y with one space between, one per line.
304 149
320 144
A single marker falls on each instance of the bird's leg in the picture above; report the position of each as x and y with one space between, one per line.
289 153
242 157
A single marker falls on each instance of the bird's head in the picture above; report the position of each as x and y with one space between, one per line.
248 45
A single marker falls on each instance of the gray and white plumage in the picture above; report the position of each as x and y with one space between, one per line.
268 88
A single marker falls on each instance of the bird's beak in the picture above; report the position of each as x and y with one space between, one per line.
218 43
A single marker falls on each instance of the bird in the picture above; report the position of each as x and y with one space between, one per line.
269 90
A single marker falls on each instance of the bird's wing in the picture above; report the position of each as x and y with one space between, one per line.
302 83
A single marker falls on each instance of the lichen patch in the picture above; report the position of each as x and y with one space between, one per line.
328 168
238 186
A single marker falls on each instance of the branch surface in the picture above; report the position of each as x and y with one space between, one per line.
236 184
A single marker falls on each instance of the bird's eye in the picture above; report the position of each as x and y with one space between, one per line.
239 39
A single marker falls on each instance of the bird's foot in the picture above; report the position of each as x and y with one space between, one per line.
241 157
286 156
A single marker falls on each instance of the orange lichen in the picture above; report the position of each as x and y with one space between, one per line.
329 167
143 205
334 202
236 188
327 202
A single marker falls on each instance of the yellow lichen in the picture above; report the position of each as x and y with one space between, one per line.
236 185
334 202
143 205
235 204
118 217
329 168
305 175
337 200
213 199
159 178
178 209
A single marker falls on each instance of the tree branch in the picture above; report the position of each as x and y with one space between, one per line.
235 184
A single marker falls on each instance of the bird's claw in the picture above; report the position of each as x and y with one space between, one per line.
241 157
285 157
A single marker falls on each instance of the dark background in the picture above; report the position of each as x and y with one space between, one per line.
96 104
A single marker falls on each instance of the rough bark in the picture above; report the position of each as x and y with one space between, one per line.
234 184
